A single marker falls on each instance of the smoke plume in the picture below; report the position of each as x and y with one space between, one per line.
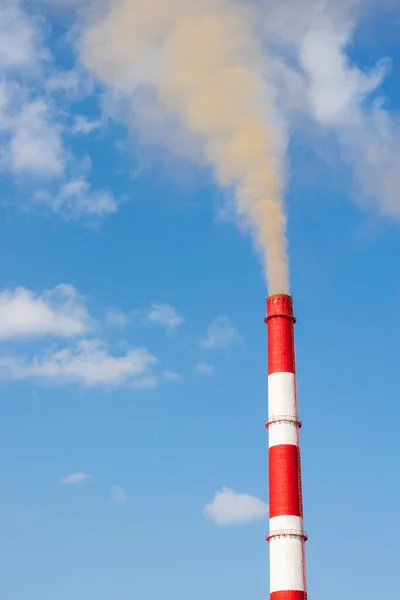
205 66
225 81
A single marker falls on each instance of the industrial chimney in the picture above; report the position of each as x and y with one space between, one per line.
287 537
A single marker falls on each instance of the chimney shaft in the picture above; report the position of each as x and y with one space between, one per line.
287 537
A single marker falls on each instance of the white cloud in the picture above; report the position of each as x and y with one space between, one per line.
57 312
76 199
336 88
36 145
89 364
172 376
367 133
70 3
69 87
18 37
74 478
64 81
83 125
118 495
221 334
166 316
345 100
229 508
117 317
31 141
61 313
204 369
32 144
36 103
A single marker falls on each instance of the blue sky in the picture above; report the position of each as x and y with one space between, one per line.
132 346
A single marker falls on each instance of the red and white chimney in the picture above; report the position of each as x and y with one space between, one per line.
287 537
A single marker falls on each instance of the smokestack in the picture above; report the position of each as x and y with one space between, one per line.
287 537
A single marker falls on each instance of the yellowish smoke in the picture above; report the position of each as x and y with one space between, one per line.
203 60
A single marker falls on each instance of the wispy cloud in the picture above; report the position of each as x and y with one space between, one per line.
63 81
325 86
31 132
204 369
221 334
166 316
36 110
57 312
67 3
117 317
88 363
35 145
76 199
83 125
118 495
19 37
172 376
74 478
229 508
